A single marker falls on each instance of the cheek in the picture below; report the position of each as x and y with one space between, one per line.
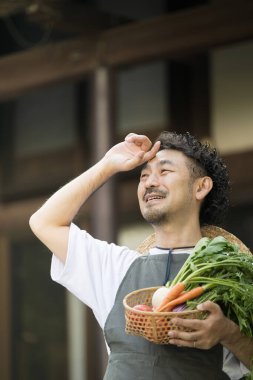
140 191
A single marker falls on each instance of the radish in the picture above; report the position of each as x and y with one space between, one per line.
159 295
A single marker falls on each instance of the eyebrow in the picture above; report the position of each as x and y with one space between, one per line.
159 163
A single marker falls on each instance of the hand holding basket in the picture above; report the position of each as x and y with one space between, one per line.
153 326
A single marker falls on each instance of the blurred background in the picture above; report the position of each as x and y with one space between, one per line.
75 78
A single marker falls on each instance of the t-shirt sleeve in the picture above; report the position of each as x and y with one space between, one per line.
232 366
93 270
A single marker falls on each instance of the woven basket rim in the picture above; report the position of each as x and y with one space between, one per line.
154 313
209 231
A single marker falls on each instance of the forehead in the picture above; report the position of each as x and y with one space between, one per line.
168 157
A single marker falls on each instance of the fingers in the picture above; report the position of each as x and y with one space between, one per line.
190 324
183 335
140 140
152 152
143 142
185 343
188 332
146 150
184 339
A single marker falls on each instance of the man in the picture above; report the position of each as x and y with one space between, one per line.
183 185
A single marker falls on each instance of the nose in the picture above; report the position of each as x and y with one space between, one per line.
152 180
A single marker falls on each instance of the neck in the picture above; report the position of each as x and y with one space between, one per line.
177 236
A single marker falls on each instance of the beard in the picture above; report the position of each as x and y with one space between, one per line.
155 217
152 214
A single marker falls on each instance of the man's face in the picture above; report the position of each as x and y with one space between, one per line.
165 190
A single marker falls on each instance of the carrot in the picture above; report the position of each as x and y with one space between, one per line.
173 293
186 296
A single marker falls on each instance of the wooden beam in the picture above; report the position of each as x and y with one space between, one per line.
184 32
41 174
14 216
8 8
38 67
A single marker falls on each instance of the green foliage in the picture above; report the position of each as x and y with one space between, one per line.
227 276
226 273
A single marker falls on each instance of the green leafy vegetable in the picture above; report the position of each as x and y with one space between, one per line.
227 276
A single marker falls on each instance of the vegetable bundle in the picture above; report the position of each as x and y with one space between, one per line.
217 271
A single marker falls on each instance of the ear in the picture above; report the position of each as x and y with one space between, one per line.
203 187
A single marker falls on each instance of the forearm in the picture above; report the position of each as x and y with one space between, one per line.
62 206
237 343
52 221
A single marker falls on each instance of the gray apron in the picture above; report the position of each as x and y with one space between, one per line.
135 358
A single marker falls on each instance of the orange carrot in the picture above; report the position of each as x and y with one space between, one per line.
193 293
173 293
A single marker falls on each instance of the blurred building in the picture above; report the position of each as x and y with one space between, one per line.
75 78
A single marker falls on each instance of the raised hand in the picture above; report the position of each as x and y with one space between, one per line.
135 150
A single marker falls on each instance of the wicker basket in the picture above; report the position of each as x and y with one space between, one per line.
151 325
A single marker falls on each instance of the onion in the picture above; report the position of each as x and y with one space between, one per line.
158 296
180 307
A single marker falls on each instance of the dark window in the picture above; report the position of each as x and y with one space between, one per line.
39 349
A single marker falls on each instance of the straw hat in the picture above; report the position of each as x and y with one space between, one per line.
207 231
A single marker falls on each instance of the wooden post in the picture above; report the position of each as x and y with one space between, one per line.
102 208
103 217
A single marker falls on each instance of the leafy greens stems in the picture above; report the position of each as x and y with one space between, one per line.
226 275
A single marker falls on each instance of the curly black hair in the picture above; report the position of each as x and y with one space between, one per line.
205 160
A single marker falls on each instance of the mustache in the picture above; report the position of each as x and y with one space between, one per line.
160 193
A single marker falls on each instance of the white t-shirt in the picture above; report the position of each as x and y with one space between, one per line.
93 271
